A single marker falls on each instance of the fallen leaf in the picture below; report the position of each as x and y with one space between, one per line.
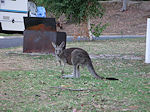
130 108
133 107
66 86
75 110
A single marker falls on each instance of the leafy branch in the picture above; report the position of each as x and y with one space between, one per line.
98 29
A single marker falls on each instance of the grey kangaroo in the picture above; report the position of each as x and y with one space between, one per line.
76 57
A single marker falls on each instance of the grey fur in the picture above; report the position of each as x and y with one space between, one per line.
76 57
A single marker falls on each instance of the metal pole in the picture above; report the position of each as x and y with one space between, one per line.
147 54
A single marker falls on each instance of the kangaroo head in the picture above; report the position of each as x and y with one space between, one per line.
58 48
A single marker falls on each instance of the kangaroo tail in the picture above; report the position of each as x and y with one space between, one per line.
92 71
111 78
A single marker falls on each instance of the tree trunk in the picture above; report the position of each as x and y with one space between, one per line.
89 30
124 6
84 30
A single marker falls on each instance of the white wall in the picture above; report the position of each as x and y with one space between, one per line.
147 54
15 5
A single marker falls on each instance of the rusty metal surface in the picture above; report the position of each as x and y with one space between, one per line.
40 41
37 23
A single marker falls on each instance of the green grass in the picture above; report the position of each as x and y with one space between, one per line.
3 34
113 46
30 90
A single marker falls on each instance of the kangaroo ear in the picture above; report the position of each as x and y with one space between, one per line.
62 44
53 44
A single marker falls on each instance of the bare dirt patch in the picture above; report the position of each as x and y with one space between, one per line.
16 60
130 49
11 62
116 56
131 22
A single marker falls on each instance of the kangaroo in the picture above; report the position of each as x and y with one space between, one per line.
76 57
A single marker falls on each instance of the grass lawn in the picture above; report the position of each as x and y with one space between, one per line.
33 83
3 34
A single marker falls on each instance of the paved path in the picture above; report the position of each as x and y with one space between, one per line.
104 37
116 56
7 42
15 41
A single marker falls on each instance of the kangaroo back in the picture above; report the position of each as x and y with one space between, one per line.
67 55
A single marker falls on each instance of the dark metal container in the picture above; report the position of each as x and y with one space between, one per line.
40 41
39 34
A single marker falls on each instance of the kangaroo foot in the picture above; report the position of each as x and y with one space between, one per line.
68 76
62 72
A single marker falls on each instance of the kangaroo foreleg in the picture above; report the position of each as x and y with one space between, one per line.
62 70
59 62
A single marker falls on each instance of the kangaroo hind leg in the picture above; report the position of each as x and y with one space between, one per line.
73 75
77 72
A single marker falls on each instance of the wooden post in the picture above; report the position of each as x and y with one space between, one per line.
147 54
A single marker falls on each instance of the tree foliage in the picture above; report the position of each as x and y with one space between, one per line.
76 10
